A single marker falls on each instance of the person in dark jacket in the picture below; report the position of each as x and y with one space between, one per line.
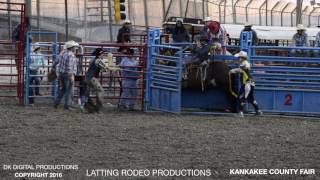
92 83
300 39
248 28
17 30
123 33
179 33
204 31
16 36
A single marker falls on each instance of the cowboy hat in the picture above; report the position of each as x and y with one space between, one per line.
36 46
247 24
97 52
127 21
71 44
300 27
207 19
241 54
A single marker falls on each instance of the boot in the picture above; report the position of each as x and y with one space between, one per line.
241 114
258 113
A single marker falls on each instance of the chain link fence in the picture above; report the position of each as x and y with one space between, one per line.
89 20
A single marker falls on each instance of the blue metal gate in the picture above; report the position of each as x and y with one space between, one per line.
284 84
287 84
164 69
49 52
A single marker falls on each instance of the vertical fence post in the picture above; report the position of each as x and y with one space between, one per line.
203 16
101 10
291 14
21 51
266 12
220 11
9 19
66 19
309 17
27 67
235 12
54 58
298 12
180 6
282 11
85 21
110 20
260 16
164 10
38 15
224 11
146 13
272 11
247 5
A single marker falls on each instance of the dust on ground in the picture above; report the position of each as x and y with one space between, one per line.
137 140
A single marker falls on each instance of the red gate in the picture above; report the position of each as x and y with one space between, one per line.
12 53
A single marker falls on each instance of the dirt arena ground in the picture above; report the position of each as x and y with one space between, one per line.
136 140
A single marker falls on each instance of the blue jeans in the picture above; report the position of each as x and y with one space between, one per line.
129 93
34 81
93 85
65 89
